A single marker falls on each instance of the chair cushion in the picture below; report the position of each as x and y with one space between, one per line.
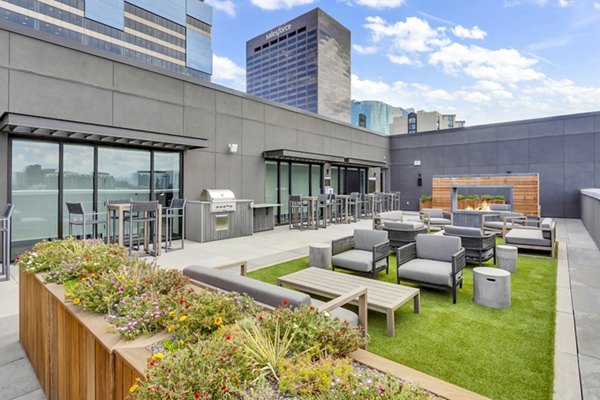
356 260
437 247
428 271
262 292
365 239
462 231
546 223
527 237
439 221
340 313
433 212
500 207
499 225
395 215
404 226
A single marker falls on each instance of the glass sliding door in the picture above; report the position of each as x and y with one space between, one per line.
284 191
78 184
335 179
300 179
363 180
123 174
34 192
166 177
315 179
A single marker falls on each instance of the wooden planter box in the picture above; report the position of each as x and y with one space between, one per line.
426 204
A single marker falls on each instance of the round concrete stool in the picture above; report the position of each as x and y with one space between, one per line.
491 287
507 257
319 255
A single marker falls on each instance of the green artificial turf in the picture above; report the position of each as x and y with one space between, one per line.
501 354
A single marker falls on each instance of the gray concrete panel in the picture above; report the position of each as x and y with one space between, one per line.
227 103
309 124
252 109
33 55
597 123
3 90
553 210
4 46
406 156
46 97
513 168
253 138
460 137
229 173
327 128
483 154
483 169
199 96
578 125
147 114
278 137
407 141
342 132
340 147
327 145
552 181
546 150
590 376
427 175
199 172
434 139
456 155
359 137
361 151
512 131
432 156
513 152
597 145
597 174
588 326
310 142
577 176
253 178
280 116
461 170
579 147
200 123
136 81
229 130
483 135
546 128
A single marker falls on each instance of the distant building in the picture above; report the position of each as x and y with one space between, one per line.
303 63
171 34
424 121
375 115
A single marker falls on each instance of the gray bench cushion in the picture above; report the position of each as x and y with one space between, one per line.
404 226
430 271
340 313
500 225
433 212
527 237
462 231
356 260
500 207
366 239
438 221
546 223
395 215
262 292
437 247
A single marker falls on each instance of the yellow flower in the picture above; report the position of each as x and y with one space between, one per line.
132 281
133 388
181 342
70 294
106 298
170 328
218 321
182 318
171 313
76 301
158 356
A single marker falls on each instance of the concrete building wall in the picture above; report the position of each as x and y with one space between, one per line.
59 81
564 150
590 212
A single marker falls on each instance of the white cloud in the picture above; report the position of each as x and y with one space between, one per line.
380 4
565 3
412 35
540 3
466 33
597 5
279 4
402 60
228 73
367 87
364 49
228 6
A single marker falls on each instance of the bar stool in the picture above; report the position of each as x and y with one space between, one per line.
397 203
367 205
296 209
175 211
5 221
145 212
114 219
355 205
78 216
322 210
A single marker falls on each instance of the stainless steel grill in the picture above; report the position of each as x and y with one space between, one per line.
221 200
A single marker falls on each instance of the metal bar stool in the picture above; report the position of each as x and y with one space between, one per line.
397 203
354 206
78 216
175 211
112 238
5 221
296 209
145 212
322 209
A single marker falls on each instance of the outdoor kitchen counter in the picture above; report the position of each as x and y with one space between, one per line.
264 216
202 225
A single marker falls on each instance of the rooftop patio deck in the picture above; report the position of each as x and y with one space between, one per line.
577 356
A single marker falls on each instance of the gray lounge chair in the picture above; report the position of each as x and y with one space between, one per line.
435 217
540 237
479 247
366 251
401 233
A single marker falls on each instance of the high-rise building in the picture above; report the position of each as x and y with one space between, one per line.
171 34
375 115
303 63
424 121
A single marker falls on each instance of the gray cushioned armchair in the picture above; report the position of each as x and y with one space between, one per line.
366 251
479 247
434 261
435 217
401 233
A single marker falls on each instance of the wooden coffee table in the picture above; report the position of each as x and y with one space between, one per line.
381 296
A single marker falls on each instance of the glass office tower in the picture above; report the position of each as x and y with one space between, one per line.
303 63
171 34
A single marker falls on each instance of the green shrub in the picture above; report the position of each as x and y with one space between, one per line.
426 197
470 197
487 197
499 197
314 378
475 197
460 197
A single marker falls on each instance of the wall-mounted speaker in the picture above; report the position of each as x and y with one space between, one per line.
419 181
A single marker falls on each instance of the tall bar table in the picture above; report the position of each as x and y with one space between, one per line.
120 210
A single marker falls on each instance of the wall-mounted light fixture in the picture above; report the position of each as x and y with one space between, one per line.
233 148
417 163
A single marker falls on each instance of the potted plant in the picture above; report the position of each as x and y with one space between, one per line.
476 202
462 202
426 201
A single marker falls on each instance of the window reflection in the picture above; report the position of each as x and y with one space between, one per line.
166 177
123 174
78 183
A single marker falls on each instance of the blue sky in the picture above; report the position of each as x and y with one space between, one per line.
484 60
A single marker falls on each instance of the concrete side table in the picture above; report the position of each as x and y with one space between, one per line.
507 258
491 287
319 255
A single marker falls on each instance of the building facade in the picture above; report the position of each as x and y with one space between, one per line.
424 121
170 34
375 115
304 63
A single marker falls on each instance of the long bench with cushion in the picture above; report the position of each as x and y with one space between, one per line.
366 251
434 261
435 217
272 296
478 247
401 233
540 237
388 216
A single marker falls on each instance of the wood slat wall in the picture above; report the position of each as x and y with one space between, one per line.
526 190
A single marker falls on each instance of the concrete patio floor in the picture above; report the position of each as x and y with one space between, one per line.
577 356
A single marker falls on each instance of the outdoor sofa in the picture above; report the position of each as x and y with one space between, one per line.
479 247
401 233
366 251
434 261
542 236
272 296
